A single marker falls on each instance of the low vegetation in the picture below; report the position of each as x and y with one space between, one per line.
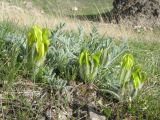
61 7
58 74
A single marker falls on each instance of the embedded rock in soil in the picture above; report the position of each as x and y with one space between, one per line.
95 116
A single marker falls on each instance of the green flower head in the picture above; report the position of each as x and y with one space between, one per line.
127 61
39 37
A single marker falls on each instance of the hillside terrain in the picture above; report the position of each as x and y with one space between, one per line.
61 7
79 60
28 15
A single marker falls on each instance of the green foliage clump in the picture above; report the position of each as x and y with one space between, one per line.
131 77
37 46
89 65
91 59
10 43
129 80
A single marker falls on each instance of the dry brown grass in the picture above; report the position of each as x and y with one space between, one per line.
31 15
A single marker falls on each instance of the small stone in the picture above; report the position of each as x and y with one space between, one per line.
62 116
95 116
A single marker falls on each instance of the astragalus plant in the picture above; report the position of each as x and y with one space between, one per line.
63 52
37 47
94 59
89 65
69 51
129 79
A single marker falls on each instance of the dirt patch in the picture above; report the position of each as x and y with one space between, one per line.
137 12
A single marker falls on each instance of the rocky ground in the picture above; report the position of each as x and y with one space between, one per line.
77 101
137 12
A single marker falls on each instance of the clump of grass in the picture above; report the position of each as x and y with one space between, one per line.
10 50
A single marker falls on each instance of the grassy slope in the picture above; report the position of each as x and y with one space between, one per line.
25 16
146 53
85 7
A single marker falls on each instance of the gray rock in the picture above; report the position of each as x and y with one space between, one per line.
94 116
